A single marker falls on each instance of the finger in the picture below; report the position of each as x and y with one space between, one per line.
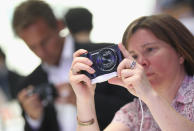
29 90
129 81
82 60
76 79
22 95
123 50
80 79
30 87
79 52
125 73
125 64
31 102
32 99
128 84
116 81
119 81
82 67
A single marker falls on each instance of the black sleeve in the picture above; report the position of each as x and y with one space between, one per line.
14 79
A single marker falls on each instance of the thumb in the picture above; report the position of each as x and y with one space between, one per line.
116 81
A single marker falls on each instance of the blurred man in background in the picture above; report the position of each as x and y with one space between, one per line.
35 23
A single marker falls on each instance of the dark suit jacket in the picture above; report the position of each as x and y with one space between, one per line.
8 83
108 98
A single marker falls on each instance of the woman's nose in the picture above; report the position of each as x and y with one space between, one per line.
143 61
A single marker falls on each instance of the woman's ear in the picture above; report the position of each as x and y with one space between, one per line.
181 59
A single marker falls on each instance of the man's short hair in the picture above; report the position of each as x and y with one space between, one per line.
28 12
78 19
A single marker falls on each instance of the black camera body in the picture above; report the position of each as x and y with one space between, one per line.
105 63
46 92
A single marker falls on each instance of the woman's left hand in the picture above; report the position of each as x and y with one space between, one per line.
131 75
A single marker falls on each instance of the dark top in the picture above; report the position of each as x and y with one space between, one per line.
8 83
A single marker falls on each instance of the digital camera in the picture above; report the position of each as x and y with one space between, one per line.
105 63
46 92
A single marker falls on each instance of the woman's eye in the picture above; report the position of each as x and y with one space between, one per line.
134 57
149 49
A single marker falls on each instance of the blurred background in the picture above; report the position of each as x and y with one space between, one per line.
110 18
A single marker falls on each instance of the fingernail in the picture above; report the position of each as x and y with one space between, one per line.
92 70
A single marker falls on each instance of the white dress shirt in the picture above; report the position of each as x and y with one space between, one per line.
58 74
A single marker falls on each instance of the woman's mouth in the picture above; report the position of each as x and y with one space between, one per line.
149 74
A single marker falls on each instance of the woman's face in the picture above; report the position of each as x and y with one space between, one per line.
161 62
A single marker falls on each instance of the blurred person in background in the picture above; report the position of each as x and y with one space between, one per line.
180 9
79 22
8 79
35 23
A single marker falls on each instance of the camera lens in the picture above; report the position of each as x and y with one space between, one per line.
106 59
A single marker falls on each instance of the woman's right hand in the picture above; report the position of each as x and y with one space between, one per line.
81 84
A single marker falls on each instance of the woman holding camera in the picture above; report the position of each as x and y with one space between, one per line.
158 68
